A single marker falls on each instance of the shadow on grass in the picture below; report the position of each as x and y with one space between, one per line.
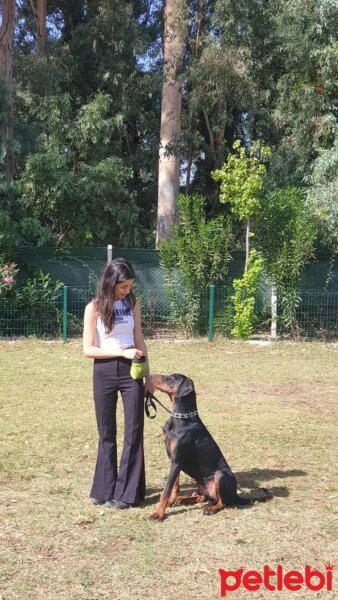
255 477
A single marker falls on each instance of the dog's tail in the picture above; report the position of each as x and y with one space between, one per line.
248 501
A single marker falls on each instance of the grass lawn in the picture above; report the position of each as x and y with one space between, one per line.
273 411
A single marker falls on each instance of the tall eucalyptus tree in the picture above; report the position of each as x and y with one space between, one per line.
39 10
169 161
6 75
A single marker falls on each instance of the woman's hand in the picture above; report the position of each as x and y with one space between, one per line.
148 386
132 353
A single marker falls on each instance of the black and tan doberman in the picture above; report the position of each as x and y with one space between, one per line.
193 450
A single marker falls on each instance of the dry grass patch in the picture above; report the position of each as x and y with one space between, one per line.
273 411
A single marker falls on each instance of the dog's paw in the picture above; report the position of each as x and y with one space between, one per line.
212 509
208 510
156 516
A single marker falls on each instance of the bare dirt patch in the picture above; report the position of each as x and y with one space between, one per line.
317 397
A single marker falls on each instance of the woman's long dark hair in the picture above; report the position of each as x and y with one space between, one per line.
115 272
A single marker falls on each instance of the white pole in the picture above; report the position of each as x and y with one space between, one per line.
109 253
247 245
273 313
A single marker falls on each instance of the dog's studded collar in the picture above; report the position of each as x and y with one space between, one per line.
149 402
184 415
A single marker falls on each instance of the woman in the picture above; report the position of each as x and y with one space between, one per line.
112 336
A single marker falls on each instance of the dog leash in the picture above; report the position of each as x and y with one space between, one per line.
149 403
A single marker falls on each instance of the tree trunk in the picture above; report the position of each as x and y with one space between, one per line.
217 140
189 166
41 26
196 54
6 51
169 162
39 12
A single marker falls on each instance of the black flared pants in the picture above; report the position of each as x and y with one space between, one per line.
128 482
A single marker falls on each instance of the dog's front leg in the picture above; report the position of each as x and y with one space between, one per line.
174 492
174 472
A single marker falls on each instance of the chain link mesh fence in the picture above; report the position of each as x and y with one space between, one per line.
317 314
31 316
47 315
62 316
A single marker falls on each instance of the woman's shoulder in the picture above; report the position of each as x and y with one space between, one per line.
91 309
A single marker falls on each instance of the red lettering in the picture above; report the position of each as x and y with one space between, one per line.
293 580
329 568
230 587
309 574
252 581
267 573
279 578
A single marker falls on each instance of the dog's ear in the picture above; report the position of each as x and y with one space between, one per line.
185 388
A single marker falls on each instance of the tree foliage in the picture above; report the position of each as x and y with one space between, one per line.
286 233
87 103
241 183
196 256
242 179
244 298
198 248
73 186
86 116
322 195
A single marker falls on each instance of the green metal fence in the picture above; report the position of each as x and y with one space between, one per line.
317 314
61 313
61 316
79 269
32 316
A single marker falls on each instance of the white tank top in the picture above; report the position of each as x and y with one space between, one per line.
122 334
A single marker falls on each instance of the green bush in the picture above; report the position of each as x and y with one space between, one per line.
244 298
196 256
29 308
285 236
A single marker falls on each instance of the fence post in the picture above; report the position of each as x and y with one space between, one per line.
109 253
273 313
64 309
211 312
